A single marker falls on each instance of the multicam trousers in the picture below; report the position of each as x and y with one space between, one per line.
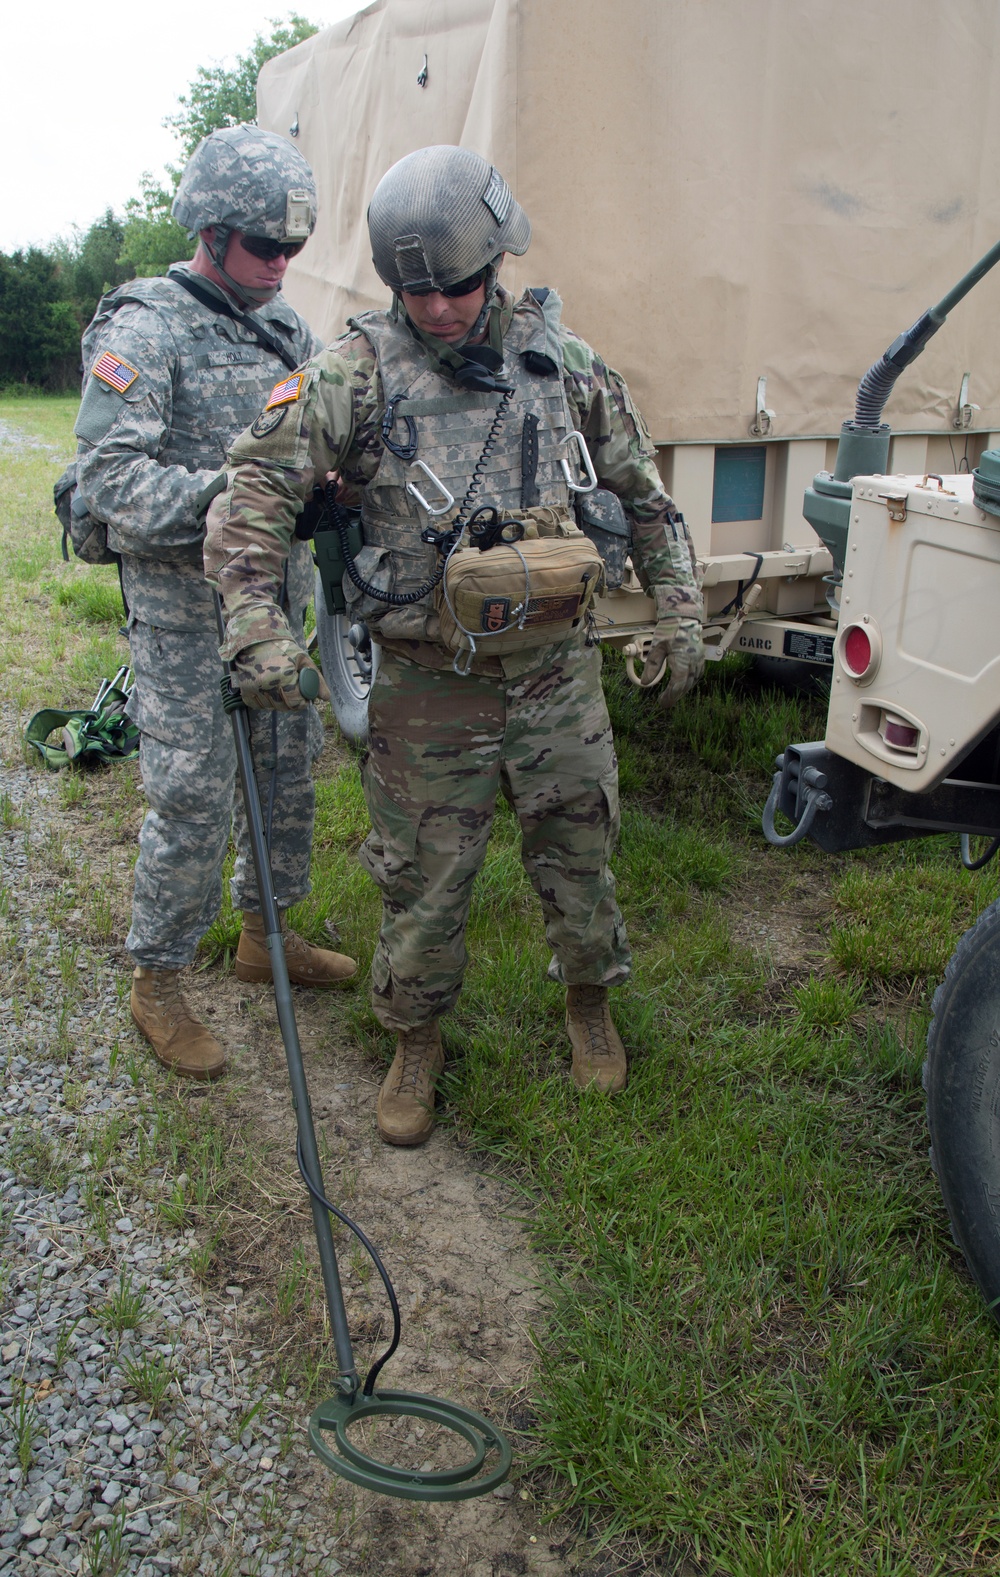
439 748
188 764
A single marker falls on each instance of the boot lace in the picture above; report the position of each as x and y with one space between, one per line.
416 1052
589 1008
167 995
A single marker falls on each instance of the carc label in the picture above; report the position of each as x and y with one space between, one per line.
809 648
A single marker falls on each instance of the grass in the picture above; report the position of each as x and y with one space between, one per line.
151 1377
24 1425
123 1309
761 1354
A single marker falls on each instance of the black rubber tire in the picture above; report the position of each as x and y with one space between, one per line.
349 686
962 1081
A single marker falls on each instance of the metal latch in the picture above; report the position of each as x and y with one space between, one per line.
964 411
895 503
761 424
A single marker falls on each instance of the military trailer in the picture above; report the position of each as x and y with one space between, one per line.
731 201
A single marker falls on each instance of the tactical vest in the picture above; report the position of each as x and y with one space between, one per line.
222 376
445 428
221 368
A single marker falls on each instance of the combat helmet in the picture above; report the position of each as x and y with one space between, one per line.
439 216
248 179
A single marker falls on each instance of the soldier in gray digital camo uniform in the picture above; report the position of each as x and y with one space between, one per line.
407 408
174 368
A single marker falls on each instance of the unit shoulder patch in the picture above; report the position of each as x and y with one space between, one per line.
268 420
286 392
115 372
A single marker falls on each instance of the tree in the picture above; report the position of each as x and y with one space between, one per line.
152 239
227 96
39 329
90 263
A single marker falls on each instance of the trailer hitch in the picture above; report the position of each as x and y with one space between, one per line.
795 788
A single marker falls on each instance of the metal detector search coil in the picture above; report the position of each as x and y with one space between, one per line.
458 1483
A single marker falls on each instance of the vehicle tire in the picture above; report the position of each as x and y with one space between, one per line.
347 671
962 1082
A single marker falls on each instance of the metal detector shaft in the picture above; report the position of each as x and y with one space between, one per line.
290 1036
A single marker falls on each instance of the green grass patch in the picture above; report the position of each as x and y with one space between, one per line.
898 921
93 598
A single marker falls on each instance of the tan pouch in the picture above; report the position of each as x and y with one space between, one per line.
518 595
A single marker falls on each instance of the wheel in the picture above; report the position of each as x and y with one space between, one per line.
962 1081
347 668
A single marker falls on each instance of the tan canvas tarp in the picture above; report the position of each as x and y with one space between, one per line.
718 190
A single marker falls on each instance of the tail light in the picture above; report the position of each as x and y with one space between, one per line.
899 733
860 650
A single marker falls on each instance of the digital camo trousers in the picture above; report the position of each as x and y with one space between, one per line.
188 763
439 748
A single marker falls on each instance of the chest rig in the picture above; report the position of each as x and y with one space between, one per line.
433 438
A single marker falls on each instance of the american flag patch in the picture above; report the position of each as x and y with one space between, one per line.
285 393
111 369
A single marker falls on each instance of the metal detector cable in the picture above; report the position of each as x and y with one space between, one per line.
367 1244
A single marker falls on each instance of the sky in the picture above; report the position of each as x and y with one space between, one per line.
84 91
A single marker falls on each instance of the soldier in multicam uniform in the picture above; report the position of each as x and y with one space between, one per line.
174 369
422 384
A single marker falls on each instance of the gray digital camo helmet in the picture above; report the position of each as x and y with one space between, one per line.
247 179
440 215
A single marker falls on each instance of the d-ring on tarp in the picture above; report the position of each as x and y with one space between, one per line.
490 1455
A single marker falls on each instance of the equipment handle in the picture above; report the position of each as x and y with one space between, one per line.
349 1381
309 684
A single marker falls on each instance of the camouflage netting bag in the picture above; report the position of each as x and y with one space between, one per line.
100 733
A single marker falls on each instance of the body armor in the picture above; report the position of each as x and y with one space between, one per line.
430 423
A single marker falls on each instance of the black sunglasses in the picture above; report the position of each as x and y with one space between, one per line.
267 251
462 287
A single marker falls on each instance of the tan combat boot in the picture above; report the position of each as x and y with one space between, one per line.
405 1109
307 965
178 1040
598 1053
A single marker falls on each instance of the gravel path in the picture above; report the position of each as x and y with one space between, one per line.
93 1482
12 437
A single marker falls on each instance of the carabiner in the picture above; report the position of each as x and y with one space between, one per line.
588 464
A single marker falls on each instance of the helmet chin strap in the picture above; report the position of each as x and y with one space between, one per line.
247 295
489 302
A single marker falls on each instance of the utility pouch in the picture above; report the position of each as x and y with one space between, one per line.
88 536
517 595
329 556
602 518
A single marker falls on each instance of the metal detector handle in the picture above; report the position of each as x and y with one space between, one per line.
286 1019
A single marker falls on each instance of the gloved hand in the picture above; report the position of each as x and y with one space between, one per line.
676 643
267 676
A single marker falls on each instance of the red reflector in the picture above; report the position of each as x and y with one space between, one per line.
857 651
895 732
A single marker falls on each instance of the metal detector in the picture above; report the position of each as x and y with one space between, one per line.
332 1420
